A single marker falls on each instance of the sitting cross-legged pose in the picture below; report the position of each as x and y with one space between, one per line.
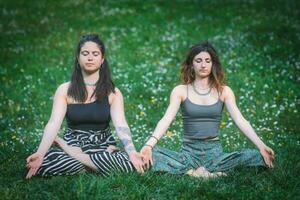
89 101
201 99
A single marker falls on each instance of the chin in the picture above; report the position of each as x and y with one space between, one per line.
203 75
91 71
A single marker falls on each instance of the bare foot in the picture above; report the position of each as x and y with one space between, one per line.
112 148
202 172
76 153
72 151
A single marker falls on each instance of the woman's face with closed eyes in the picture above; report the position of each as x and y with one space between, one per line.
90 57
202 64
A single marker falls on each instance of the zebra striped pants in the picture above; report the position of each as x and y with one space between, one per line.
93 143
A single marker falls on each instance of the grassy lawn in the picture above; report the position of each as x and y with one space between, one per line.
258 43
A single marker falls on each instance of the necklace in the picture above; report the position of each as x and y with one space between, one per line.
90 84
201 94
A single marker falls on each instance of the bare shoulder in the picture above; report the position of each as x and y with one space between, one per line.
64 86
61 93
115 95
226 93
62 89
179 91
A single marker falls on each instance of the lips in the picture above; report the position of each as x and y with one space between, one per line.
91 64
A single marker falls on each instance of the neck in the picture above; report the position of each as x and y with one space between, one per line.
90 78
202 83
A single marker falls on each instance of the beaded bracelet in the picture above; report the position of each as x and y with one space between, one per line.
154 137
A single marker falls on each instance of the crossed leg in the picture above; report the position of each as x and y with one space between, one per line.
76 153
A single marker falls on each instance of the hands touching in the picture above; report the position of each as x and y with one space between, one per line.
146 153
137 162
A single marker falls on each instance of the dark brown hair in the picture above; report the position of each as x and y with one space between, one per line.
216 78
104 85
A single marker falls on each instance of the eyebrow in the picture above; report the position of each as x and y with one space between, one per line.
206 59
92 51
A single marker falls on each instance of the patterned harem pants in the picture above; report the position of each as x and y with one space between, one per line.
200 153
93 143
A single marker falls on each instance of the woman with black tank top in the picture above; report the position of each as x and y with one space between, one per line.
201 99
89 101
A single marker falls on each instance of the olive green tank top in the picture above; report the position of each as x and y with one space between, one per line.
201 121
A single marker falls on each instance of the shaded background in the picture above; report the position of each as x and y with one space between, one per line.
257 41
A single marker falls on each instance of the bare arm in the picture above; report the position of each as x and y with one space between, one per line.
120 123
163 125
245 126
58 113
122 129
239 119
35 160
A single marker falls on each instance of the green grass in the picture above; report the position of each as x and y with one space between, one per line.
258 43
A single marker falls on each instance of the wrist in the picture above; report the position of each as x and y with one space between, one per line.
41 153
131 153
148 146
261 147
152 141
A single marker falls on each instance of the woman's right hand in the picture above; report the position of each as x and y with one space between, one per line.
146 153
34 162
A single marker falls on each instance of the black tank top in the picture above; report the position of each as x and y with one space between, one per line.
89 116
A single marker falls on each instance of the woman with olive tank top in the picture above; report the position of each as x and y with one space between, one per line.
201 99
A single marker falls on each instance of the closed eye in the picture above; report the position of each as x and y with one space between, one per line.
198 60
84 53
207 60
96 53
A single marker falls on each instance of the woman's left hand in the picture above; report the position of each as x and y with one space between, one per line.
268 155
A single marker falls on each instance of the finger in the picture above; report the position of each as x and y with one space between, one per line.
28 159
272 157
142 170
141 165
271 161
145 164
144 159
34 171
151 161
29 174
148 163
138 169
266 160
272 152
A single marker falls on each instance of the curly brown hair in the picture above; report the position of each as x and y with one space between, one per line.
217 76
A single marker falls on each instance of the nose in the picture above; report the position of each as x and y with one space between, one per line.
90 57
